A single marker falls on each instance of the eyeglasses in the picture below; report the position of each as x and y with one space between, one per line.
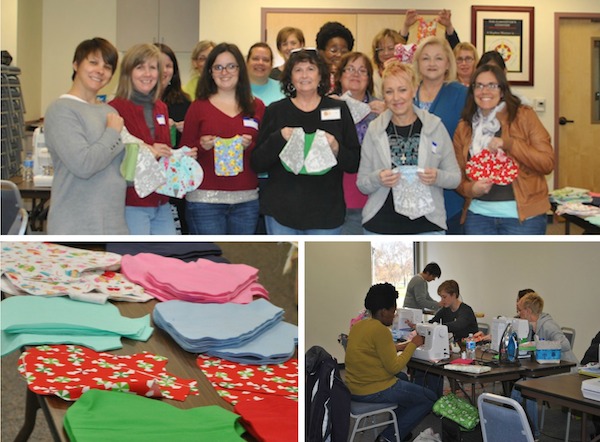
467 60
481 86
386 49
230 67
351 70
201 58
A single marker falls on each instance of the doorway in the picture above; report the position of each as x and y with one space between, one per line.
577 91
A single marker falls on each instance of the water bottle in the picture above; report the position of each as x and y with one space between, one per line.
28 169
470 347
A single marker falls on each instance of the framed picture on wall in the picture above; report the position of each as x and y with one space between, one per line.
508 30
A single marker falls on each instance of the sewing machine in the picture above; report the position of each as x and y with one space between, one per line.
436 345
43 171
499 324
400 329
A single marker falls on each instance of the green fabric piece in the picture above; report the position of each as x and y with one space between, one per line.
37 316
130 161
112 416
458 410
173 130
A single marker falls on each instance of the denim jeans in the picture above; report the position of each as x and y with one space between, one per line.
435 232
353 222
150 220
414 403
531 410
485 225
222 219
274 228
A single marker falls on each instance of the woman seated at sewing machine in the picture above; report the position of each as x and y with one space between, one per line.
458 316
372 364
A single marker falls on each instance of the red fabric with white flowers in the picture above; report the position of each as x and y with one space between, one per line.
498 168
68 371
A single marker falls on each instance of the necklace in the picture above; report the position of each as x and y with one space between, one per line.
403 157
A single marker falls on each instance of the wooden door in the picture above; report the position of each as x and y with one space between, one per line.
577 142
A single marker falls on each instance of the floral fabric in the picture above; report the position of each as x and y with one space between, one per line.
68 371
237 382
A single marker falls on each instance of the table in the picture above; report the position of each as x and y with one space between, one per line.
181 363
564 390
40 197
588 228
507 374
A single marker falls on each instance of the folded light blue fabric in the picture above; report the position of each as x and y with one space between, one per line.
274 346
200 327
28 320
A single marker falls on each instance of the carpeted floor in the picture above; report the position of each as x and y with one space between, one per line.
268 257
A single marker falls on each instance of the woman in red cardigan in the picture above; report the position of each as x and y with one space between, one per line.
147 118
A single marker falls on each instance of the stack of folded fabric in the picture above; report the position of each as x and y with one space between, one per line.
249 333
185 251
201 281
34 320
570 195
43 269
111 416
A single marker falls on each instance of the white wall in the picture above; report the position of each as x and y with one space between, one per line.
565 274
67 22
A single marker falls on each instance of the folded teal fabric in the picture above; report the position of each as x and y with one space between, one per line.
34 318
112 416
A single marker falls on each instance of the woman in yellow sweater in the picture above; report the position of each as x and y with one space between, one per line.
372 364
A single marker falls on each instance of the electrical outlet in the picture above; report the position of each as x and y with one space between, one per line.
539 104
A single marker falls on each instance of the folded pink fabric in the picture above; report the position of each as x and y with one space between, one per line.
201 281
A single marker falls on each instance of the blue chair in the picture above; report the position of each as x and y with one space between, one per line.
502 419
14 215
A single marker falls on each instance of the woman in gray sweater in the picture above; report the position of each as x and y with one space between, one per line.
83 137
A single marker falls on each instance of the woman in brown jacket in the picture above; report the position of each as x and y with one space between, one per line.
509 202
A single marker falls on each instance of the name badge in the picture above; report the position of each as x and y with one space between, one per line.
160 119
250 122
331 114
434 147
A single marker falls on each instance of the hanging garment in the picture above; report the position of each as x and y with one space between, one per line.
183 174
100 416
235 382
228 156
411 197
67 371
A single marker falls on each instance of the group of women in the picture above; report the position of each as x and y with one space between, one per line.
331 156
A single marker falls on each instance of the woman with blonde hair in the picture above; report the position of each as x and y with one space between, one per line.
146 117
288 39
199 56
466 59
409 147
439 94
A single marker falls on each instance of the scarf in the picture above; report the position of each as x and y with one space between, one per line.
484 129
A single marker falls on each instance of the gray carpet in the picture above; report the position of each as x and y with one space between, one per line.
269 258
